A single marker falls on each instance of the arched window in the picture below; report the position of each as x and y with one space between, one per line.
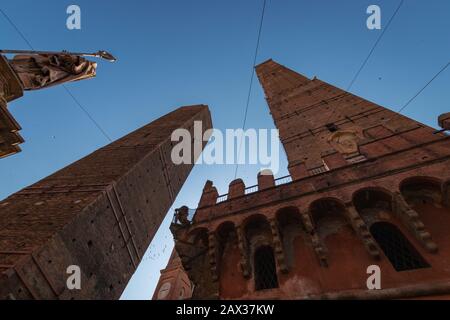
400 252
265 269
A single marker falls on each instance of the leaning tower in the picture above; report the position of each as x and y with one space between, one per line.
367 186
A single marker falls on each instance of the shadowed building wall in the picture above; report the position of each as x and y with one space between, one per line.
367 187
100 213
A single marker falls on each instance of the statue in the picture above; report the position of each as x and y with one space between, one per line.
34 70
41 71
182 216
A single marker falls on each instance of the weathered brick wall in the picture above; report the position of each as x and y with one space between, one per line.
99 213
301 109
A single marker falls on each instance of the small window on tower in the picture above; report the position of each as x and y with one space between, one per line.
331 127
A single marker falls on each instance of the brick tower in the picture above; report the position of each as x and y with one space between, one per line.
174 284
367 187
100 214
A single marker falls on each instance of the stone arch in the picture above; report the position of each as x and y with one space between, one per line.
298 246
231 282
325 209
422 190
198 236
292 233
258 233
425 196
373 204
378 205
224 225
288 215
346 251
226 235
257 230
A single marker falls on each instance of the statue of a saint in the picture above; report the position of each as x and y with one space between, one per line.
41 71
33 70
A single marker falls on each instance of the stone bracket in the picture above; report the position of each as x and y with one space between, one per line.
411 219
278 246
360 227
317 244
245 263
213 255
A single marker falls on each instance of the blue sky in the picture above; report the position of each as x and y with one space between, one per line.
174 53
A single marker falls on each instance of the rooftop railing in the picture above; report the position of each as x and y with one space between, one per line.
224 197
253 189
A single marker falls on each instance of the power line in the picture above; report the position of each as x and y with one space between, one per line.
16 28
251 83
86 112
374 46
372 50
398 113
65 87
424 87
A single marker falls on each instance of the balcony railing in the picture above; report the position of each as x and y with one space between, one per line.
283 180
253 189
222 198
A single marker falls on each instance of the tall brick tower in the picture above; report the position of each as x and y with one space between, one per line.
367 187
174 284
99 214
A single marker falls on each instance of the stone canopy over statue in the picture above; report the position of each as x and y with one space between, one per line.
41 71
34 70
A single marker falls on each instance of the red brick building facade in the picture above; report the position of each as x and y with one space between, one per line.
367 187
